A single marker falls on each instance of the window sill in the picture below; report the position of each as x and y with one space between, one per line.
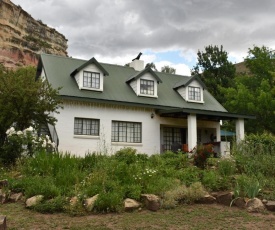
193 101
147 95
86 137
126 144
92 89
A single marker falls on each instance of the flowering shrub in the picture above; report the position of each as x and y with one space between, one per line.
23 143
201 154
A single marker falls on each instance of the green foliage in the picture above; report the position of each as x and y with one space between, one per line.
254 91
215 70
183 194
109 202
55 205
168 69
25 101
201 154
247 187
255 155
226 167
59 177
127 155
190 175
23 143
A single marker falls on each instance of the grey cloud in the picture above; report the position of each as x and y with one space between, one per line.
121 27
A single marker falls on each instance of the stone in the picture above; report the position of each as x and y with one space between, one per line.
224 198
151 201
90 203
270 206
4 183
239 202
3 197
131 205
255 205
34 200
74 201
14 197
207 199
3 222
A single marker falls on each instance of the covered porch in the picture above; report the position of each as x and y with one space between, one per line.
198 127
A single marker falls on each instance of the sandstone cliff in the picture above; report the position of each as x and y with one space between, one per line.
22 38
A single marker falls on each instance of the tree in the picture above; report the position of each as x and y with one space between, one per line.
260 62
215 70
168 69
25 101
254 92
151 65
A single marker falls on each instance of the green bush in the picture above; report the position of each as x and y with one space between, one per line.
127 155
109 202
213 181
55 205
247 187
226 167
189 175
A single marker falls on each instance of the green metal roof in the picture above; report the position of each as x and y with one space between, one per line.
115 88
91 61
186 82
141 73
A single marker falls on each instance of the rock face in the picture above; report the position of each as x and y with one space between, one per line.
22 38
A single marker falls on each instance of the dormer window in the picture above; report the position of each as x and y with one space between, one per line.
194 93
191 89
147 87
145 83
91 80
89 76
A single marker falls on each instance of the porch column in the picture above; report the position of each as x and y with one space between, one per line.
218 132
239 129
192 131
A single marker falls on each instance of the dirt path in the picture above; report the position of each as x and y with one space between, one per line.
183 217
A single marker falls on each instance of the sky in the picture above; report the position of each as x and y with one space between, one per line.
167 32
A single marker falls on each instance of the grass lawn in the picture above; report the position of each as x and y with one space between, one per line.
195 216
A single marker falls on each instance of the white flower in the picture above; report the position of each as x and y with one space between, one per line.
30 129
19 133
44 145
53 144
10 131
47 137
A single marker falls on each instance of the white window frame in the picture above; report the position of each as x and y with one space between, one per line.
92 80
193 94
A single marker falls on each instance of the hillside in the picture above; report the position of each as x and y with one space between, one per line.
22 37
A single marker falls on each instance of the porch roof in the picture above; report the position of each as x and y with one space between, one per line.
202 114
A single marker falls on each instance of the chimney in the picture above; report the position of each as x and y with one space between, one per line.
137 64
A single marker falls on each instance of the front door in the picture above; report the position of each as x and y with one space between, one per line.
172 135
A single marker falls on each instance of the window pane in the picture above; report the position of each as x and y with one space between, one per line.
126 132
147 87
84 126
91 80
194 93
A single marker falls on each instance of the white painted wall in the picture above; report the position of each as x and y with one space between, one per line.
182 92
151 128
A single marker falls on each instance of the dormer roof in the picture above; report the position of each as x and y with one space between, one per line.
91 61
185 82
141 73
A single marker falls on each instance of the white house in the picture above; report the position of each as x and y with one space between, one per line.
108 107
